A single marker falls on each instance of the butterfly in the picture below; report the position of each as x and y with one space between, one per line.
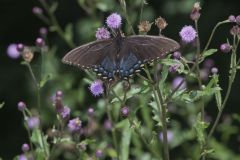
120 57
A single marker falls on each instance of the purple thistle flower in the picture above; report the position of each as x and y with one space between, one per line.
204 73
74 125
43 31
102 33
90 111
39 42
96 88
59 94
238 19
235 30
208 63
188 34
169 136
232 18
20 47
173 68
125 111
22 157
37 10
177 81
99 153
21 106
25 147
12 51
33 122
214 70
108 125
114 21
225 48
65 112
177 55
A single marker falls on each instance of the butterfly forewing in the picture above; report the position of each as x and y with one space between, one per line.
151 47
137 50
89 55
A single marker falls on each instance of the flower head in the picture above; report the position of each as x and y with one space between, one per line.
25 147
12 51
39 42
235 30
208 63
20 47
144 26
37 10
33 122
90 111
108 125
43 31
114 21
225 48
161 23
195 15
102 33
22 157
99 153
188 34
27 54
177 81
177 55
74 125
232 18
214 70
21 106
238 19
65 112
96 88
204 73
173 68
125 111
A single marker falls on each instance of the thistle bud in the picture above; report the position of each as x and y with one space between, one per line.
161 23
195 15
235 30
27 55
144 26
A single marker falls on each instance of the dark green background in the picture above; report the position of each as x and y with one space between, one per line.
18 24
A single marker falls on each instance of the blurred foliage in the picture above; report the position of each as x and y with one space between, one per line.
138 136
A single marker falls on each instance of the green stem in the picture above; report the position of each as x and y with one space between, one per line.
113 129
56 24
141 12
233 71
39 106
162 110
162 113
123 5
148 146
213 31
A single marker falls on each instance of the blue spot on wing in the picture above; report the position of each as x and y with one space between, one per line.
128 65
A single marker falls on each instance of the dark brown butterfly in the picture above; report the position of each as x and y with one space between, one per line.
120 57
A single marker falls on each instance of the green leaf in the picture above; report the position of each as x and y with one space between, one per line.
53 7
200 127
1 105
45 79
156 115
39 143
209 52
69 32
170 62
125 142
218 98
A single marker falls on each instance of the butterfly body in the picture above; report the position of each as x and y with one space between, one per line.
120 57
